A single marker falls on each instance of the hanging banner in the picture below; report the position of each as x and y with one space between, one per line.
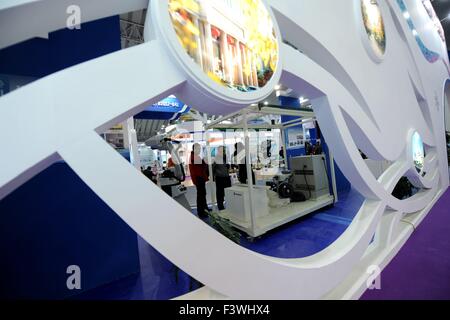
295 138
168 109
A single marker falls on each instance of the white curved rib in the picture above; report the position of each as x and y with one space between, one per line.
301 73
55 110
229 268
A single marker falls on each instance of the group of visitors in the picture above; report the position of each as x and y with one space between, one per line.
221 174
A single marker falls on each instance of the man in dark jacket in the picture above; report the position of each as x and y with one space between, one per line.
221 170
199 175
240 160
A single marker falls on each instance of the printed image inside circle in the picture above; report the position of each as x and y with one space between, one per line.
434 18
233 42
374 26
418 152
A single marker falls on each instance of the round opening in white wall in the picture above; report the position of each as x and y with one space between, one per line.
436 22
373 24
229 49
418 152
233 42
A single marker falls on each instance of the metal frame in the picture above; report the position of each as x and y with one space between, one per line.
254 112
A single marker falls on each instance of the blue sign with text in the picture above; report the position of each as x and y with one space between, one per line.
170 108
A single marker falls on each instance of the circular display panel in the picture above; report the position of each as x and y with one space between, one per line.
374 26
233 41
418 152
434 18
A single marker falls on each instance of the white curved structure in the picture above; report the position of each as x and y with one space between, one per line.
375 105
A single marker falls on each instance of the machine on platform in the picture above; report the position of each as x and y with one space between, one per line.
289 197
309 176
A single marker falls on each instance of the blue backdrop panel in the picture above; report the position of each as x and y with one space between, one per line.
64 48
55 220
342 184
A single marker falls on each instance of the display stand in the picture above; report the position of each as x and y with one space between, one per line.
255 226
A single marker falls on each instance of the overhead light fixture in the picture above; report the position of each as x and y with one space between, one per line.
303 99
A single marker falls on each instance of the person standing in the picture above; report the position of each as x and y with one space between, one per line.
221 171
199 175
240 160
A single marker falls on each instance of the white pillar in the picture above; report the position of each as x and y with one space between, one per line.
240 70
283 142
249 173
245 62
210 168
225 56
209 47
132 143
254 73
250 63
199 55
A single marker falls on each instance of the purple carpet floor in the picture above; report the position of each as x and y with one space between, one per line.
421 270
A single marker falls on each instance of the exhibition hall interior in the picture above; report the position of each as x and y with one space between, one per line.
225 149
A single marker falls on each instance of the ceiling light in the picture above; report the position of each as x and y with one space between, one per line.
303 99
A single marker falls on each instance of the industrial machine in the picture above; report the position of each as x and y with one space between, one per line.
291 195
308 179
309 176
238 202
172 178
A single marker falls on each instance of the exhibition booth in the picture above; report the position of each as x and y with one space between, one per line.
330 131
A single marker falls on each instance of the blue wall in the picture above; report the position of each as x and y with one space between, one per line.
342 184
64 48
55 220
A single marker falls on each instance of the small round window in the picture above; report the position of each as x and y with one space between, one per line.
233 42
418 152
434 18
374 27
